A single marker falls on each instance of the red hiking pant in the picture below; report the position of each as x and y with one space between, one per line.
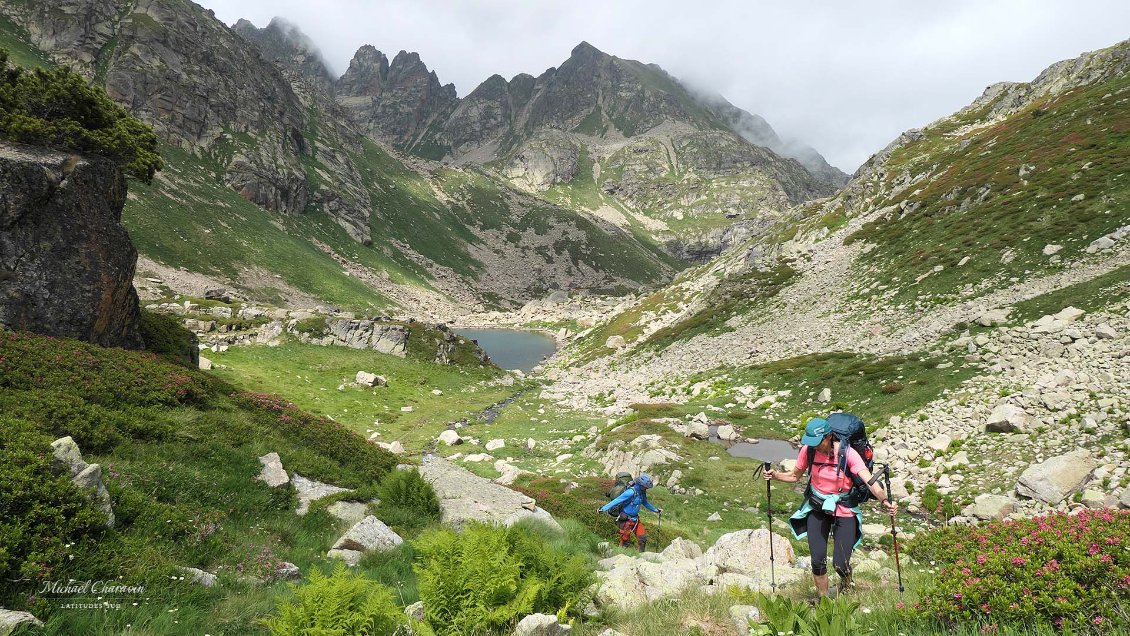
629 527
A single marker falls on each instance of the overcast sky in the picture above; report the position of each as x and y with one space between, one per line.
845 77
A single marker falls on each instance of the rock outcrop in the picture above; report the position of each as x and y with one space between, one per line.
466 497
739 559
67 460
66 262
396 101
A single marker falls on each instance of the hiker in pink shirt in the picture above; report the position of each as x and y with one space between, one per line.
822 514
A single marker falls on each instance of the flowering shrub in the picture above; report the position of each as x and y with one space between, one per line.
1072 571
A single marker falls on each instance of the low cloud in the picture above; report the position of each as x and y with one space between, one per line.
845 78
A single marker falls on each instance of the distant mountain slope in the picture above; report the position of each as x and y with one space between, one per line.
1020 195
634 145
253 111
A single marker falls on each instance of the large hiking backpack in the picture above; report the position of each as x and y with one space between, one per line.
623 481
849 431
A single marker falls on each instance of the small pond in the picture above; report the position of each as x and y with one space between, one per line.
766 450
512 348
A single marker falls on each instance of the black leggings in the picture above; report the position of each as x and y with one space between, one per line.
844 532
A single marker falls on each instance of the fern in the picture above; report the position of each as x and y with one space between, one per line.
486 578
341 604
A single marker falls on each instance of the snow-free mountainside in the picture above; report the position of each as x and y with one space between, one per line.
236 396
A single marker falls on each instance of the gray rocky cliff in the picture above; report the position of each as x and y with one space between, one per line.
284 44
397 102
173 65
66 262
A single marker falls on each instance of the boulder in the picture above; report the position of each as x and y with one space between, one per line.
90 480
541 625
200 577
66 459
66 262
988 507
309 491
993 317
940 442
366 535
1105 332
348 511
204 364
66 456
273 473
1053 480
510 473
364 378
615 342
286 571
1070 314
747 552
450 438
394 447
698 430
680 548
743 616
1124 500
1100 244
218 294
1006 418
415 611
495 444
10 620
465 497
825 396
1093 498
726 432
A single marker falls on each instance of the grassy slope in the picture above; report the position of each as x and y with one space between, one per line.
178 451
188 220
310 376
14 40
1077 143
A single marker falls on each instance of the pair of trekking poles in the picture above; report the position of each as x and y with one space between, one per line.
886 475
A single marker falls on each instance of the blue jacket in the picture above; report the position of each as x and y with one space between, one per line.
632 498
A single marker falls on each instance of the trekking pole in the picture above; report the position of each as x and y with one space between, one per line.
894 533
769 511
659 531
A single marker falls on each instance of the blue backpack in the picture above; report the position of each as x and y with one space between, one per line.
849 431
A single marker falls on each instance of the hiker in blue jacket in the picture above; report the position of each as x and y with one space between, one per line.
629 503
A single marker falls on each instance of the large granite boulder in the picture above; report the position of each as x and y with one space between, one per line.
1052 480
66 261
465 497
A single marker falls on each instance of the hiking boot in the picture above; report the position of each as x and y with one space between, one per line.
845 585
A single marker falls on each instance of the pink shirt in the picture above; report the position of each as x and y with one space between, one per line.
824 477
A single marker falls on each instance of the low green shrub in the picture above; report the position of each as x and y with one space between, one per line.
165 336
486 578
58 108
1069 571
408 503
108 377
42 515
342 604
407 489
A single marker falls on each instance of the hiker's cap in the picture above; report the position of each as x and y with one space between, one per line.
815 432
644 481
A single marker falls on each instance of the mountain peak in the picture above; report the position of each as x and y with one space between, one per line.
584 49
